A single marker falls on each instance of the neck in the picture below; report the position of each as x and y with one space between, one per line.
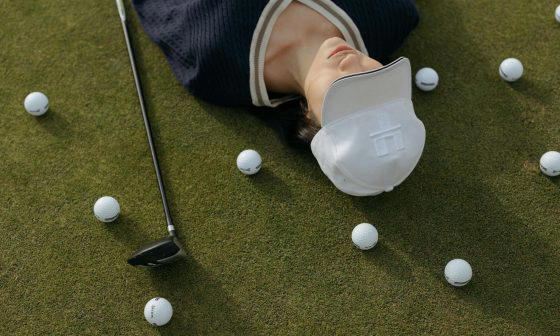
302 56
294 42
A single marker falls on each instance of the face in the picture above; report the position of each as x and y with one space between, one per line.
326 68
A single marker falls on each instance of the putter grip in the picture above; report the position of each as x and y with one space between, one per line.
120 7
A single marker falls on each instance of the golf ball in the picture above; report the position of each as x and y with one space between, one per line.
557 14
511 69
364 236
249 162
36 103
426 79
158 311
106 209
550 163
458 272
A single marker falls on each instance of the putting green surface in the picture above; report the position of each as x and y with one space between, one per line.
271 253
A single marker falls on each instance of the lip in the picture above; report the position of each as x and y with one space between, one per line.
339 49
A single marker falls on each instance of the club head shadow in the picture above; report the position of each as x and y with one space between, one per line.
160 252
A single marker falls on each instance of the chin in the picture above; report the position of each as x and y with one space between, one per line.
333 41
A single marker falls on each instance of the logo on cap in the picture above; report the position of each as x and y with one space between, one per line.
388 131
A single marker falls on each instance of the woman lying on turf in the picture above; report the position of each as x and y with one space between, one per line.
311 68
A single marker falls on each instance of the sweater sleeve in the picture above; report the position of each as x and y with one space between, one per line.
206 43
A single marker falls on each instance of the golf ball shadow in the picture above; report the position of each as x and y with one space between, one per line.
55 123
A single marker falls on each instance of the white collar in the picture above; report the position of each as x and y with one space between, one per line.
263 30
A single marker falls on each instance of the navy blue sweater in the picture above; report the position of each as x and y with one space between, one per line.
208 42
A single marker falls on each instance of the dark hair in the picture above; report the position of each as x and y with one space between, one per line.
291 122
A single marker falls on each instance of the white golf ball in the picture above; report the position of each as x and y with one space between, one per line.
557 14
458 272
426 79
550 163
158 311
249 162
511 69
364 236
106 209
36 103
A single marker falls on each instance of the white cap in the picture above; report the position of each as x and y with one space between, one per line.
371 139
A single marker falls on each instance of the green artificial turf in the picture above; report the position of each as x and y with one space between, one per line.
271 253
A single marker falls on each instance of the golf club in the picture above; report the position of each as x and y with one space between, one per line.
168 249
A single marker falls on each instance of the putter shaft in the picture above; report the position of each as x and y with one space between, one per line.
122 15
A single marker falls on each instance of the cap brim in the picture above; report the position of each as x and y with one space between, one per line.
367 89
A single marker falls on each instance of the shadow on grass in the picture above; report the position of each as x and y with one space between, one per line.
265 178
554 180
386 257
510 262
446 210
55 124
301 160
125 230
533 90
201 305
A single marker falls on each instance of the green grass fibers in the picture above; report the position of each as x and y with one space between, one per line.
271 254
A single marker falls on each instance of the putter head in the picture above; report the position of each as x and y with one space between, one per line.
163 251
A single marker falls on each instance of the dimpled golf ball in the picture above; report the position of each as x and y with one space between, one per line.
557 14
158 311
249 162
550 163
106 209
458 272
36 103
426 79
511 69
364 236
